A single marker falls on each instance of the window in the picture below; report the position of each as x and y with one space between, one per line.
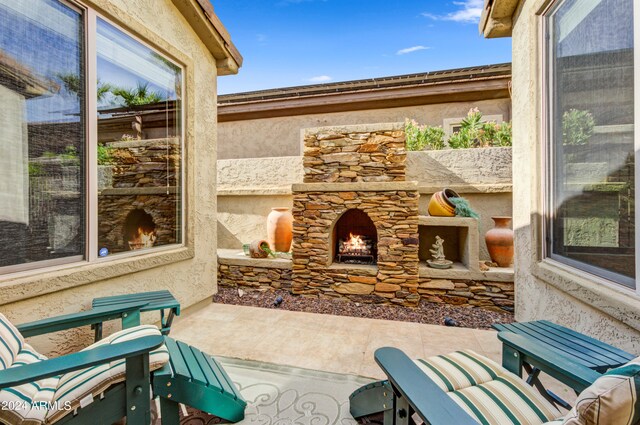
590 82
71 190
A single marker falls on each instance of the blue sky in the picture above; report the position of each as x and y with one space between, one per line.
297 42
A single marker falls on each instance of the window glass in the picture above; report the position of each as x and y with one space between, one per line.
42 190
139 145
592 138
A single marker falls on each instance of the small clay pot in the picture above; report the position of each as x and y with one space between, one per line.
500 241
439 204
255 249
280 229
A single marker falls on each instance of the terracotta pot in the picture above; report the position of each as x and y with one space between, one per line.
439 204
500 241
255 249
280 229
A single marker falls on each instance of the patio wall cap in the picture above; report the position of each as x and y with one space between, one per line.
356 128
355 187
496 20
206 24
236 257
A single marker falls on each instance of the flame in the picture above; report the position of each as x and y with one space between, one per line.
354 244
143 239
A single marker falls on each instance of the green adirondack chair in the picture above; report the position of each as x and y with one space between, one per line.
99 385
435 390
464 388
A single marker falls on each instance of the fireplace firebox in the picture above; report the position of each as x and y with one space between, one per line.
139 230
355 238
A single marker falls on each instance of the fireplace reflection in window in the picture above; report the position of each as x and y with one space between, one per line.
355 238
139 230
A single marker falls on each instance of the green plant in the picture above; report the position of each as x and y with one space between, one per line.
423 137
73 84
138 96
463 208
265 248
577 127
474 133
105 155
35 169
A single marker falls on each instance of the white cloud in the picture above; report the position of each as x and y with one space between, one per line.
410 50
320 79
261 38
469 12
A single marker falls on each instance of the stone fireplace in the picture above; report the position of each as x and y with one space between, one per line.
354 188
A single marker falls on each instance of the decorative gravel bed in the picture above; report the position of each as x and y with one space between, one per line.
426 312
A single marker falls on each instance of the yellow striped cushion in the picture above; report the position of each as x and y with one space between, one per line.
612 399
74 386
487 391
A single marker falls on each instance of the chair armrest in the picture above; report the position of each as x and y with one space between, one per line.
432 404
550 361
74 320
82 359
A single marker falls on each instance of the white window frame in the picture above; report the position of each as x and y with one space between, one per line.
601 276
91 155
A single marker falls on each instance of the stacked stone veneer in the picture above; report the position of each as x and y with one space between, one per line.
141 172
354 154
359 167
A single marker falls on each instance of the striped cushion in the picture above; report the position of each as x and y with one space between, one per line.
27 396
487 391
75 386
11 342
46 401
612 399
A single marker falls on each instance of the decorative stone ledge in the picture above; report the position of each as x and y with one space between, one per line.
355 187
234 257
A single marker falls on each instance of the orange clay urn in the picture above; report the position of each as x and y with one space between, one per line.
280 229
500 241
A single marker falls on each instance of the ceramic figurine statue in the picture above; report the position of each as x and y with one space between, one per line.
437 252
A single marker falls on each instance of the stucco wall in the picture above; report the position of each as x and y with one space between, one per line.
280 136
544 290
249 188
188 272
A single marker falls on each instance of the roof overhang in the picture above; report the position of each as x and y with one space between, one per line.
440 87
200 15
497 18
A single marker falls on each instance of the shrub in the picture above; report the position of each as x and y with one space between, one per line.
105 155
577 127
423 137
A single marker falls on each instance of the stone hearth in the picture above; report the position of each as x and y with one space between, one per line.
363 168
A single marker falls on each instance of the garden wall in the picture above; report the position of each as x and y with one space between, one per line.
249 188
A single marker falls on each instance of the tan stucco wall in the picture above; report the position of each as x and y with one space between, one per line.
563 296
280 136
249 188
188 272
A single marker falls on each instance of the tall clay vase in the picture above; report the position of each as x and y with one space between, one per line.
500 241
280 229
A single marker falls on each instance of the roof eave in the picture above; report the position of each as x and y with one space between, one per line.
200 15
496 20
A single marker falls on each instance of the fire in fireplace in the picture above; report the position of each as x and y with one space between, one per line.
356 249
140 230
355 238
